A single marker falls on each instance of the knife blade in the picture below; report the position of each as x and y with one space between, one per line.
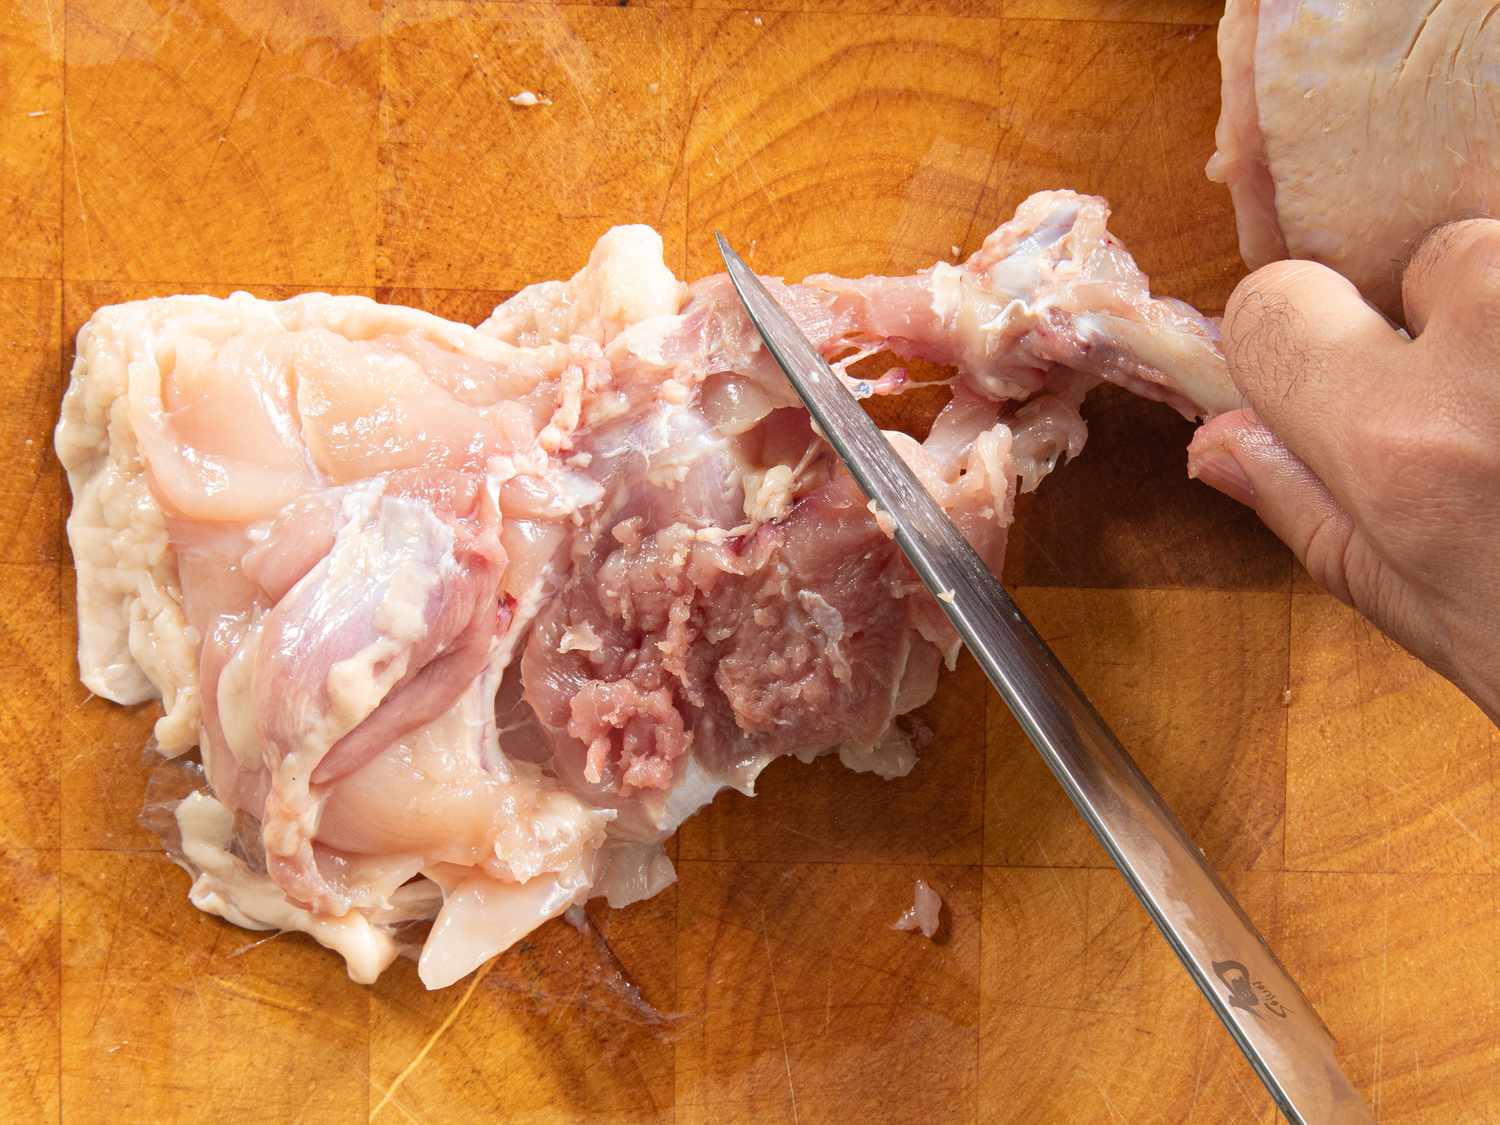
1256 999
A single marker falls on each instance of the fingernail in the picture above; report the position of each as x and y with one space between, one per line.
1218 469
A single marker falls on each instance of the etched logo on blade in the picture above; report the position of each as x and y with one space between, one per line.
1248 995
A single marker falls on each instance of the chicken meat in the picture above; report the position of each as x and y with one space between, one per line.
924 915
1349 128
464 622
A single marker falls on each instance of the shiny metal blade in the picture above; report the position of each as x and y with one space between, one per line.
1259 1003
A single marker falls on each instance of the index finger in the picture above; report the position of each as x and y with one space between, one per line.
1310 356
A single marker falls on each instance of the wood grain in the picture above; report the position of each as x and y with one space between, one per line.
477 192
244 129
33 667
915 105
1192 682
1084 1007
808 1007
1388 768
1402 968
30 984
545 1033
152 994
152 147
31 488
31 136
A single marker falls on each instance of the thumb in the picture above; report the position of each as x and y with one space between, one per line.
1238 454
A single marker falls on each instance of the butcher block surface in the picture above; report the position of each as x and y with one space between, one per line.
1348 795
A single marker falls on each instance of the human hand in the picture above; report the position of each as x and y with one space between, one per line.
1374 457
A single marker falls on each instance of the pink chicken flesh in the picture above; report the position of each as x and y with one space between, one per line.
1350 128
464 622
924 915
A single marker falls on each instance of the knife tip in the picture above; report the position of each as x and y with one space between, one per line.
725 250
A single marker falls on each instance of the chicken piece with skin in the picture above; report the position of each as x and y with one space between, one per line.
1351 128
467 621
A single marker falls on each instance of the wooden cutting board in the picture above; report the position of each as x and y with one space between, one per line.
156 146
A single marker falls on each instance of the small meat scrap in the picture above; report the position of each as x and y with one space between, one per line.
526 99
924 915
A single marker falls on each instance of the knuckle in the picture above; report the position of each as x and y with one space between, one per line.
1479 265
1457 265
1262 325
1278 332
1265 292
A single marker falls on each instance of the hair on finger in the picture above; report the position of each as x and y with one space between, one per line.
1265 332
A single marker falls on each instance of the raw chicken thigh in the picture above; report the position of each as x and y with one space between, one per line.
464 622
1350 128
